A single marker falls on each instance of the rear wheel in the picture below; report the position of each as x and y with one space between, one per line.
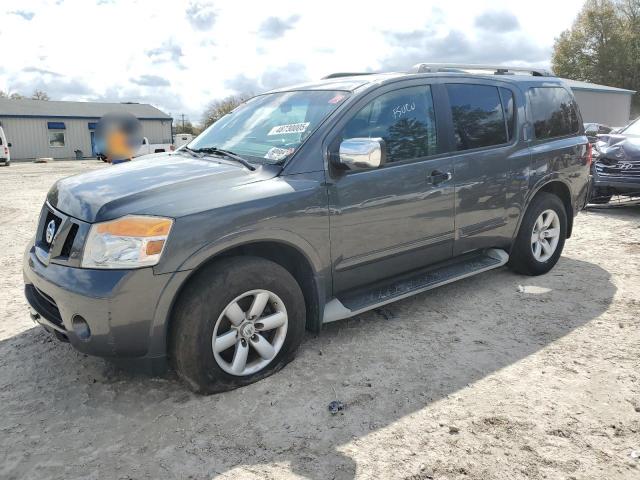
239 320
541 237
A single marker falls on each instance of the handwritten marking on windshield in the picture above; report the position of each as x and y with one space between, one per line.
400 110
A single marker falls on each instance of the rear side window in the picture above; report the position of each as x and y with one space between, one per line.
478 116
404 118
553 111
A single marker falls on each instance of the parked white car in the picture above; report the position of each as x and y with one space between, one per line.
181 139
146 148
5 154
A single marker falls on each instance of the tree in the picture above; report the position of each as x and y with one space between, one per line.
39 95
12 96
219 108
602 46
186 128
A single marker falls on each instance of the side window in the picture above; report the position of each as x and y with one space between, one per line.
404 118
508 107
553 111
478 116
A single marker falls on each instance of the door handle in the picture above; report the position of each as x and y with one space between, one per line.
437 177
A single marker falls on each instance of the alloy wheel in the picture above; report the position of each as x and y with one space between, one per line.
545 235
249 332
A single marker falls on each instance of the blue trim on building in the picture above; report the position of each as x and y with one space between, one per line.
56 126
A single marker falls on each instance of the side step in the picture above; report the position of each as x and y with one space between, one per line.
361 300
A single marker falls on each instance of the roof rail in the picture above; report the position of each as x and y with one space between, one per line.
346 74
461 67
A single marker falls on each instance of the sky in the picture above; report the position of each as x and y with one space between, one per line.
180 55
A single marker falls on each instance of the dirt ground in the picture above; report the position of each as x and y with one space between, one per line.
499 376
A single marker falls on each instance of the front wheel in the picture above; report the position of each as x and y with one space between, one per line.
238 321
541 237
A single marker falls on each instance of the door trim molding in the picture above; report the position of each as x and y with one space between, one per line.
374 256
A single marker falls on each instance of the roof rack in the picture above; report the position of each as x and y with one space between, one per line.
346 74
462 67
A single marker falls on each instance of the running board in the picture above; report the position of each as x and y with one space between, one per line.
354 303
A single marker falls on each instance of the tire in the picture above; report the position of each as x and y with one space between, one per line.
205 307
526 257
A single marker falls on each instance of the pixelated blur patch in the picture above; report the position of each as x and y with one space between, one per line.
118 136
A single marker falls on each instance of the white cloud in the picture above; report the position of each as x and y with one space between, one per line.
182 54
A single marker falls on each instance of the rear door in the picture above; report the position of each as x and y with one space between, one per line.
485 149
400 216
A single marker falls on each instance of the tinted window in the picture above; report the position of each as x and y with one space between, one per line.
509 112
554 112
404 118
478 118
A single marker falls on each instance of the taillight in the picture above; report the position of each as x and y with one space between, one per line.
172 147
6 151
589 153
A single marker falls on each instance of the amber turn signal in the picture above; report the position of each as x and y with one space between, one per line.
136 226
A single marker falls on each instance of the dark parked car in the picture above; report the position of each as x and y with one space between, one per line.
616 169
304 206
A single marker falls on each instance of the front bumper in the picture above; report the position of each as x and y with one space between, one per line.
126 310
617 184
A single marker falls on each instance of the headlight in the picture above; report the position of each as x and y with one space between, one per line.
128 242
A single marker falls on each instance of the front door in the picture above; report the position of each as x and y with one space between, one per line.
400 216
94 153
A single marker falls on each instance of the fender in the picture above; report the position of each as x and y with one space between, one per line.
244 237
158 329
539 185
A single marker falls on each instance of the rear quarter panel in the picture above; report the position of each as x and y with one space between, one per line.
562 159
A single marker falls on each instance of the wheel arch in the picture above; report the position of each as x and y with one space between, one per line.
562 191
285 254
556 187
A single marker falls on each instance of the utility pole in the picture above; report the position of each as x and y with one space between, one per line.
182 115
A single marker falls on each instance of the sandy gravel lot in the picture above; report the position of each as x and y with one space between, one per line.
476 380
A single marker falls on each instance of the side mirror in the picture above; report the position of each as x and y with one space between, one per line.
9 145
362 153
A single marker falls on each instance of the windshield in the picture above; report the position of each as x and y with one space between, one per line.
633 129
269 128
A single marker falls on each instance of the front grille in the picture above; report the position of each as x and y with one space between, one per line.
43 304
67 231
43 235
68 242
618 169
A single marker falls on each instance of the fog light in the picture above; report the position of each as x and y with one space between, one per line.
81 328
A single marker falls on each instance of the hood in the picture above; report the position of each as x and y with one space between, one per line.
164 184
618 148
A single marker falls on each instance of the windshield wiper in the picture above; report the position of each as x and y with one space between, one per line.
224 153
190 150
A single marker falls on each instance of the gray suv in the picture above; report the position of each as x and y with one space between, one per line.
307 205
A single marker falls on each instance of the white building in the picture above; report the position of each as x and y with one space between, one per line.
602 104
37 128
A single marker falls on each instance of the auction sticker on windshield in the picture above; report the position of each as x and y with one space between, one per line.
278 154
291 128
